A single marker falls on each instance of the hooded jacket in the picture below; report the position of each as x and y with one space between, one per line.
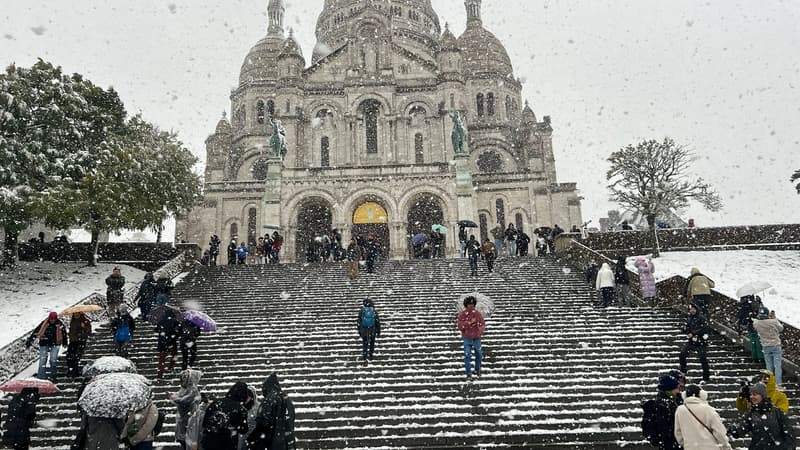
236 413
275 421
768 427
186 401
140 425
19 418
698 284
694 435
80 328
605 277
776 397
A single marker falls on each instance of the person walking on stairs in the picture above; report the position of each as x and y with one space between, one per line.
658 420
275 422
498 233
698 290
697 333
472 326
622 281
769 332
122 328
213 249
186 401
369 328
169 331
141 428
114 295
489 252
605 285
224 420
232 253
51 336
19 418
474 252
189 334
697 424
146 296
80 328
353 258
647 279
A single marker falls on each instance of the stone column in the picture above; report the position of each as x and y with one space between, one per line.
397 237
271 205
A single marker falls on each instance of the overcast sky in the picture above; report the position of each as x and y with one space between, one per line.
719 76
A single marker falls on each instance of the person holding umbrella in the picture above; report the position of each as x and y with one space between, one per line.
169 331
80 328
472 326
189 334
106 403
19 419
51 335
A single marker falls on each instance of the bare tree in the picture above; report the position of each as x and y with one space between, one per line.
796 177
652 177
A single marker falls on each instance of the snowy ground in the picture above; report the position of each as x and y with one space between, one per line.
32 290
731 269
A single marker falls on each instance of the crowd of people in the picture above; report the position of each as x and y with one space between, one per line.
266 249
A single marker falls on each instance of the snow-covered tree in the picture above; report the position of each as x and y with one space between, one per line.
46 124
137 179
796 177
651 177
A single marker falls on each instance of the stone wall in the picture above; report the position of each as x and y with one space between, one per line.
109 252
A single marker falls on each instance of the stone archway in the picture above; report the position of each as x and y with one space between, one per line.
371 219
314 221
424 211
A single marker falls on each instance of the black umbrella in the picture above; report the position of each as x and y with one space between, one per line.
467 224
159 314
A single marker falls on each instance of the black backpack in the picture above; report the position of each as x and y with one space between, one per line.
650 420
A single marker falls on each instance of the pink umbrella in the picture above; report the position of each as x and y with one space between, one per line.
44 386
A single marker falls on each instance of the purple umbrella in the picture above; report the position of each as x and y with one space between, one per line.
200 319
419 238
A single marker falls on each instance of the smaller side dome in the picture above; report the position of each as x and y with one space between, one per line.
223 126
528 117
290 47
448 41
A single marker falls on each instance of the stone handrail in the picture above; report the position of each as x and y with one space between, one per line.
15 356
670 293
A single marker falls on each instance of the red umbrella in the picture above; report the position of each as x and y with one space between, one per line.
44 386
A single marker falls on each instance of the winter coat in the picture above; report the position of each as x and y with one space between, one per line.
369 331
169 331
252 417
696 325
698 284
103 433
163 290
748 310
488 248
353 252
776 397
693 435
49 334
646 278
768 427
498 232
121 321
80 329
605 277
213 245
186 400
140 425
189 333
511 233
662 422
236 413
147 291
275 421
19 419
115 282
769 331
471 324
621 275
473 248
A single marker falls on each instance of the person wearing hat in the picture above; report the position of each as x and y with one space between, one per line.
51 335
114 295
696 331
658 422
697 424
776 397
769 331
122 328
472 326
698 290
768 426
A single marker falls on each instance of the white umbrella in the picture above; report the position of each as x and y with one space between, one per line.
109 364
752 288
484 305
115 395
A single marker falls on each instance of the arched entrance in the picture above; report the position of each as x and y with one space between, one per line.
371 219
314 221
424 212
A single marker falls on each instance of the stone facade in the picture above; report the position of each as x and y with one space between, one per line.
369 122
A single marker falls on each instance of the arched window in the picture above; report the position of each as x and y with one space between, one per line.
479 101
419 149
261 110
234 231
371 109
325 152
509 111
271 108
489 104
500 209
518 221
251 227
484 226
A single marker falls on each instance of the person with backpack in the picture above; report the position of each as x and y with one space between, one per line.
80 328
697 424
696 332
122 328
52 336
146 296
142 427
658 420
224 420
275 421
169 330
186 401
474 252
768 426
163 290
19 418
471 324
369 328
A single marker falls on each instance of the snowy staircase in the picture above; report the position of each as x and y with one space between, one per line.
559 373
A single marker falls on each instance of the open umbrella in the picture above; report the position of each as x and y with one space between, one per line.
752 288
467 224
44 386
115 395
200 319
440 228
159 313
484 305
81 309
108 364
419 238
